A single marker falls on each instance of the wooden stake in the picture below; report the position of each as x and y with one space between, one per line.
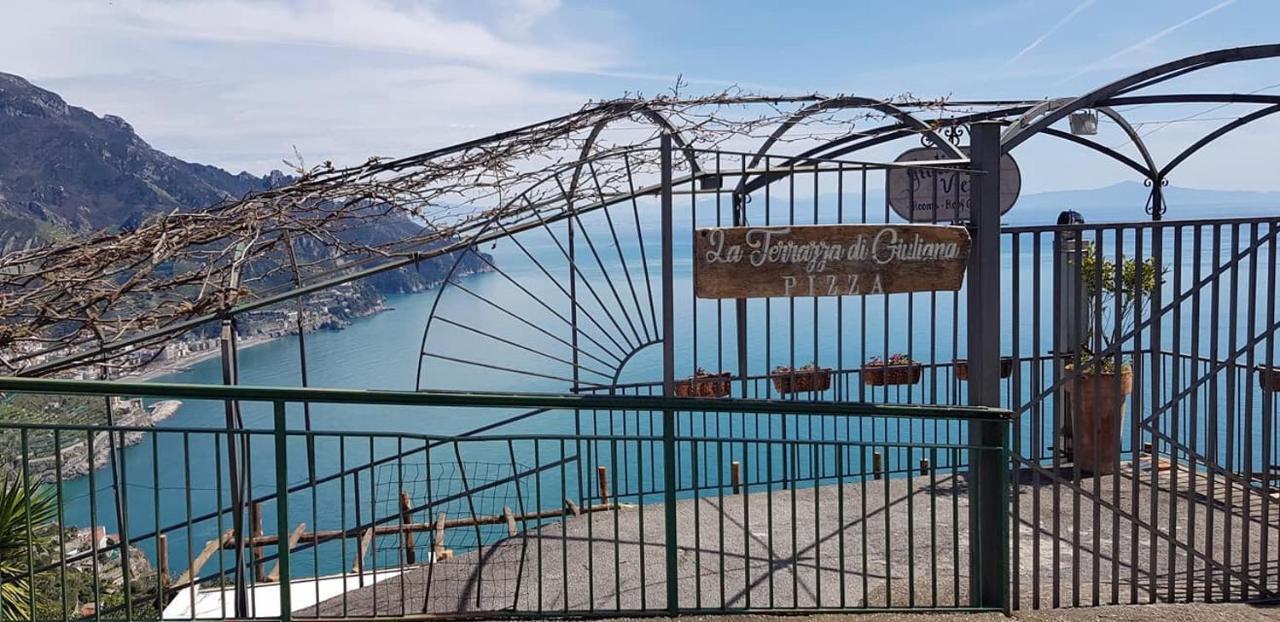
365 539
602 477
162 559
437 547
294 537
735 476
877 465
511 521
573 507
209 549
259 566
406 518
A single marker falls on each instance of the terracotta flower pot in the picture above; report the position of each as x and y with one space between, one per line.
887 375
962 368
708 385
1097 403
802 380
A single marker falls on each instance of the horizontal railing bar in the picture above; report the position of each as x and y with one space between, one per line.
439 439
1144 224
491 399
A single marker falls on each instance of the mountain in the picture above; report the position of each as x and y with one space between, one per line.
1127 201
66 171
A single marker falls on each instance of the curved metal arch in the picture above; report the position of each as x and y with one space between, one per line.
1042 108
624 111
905 119
887 133
461 253
891 133
1215 135
1192 98
1103 149
1049 106
1134 137
479 236
1139 80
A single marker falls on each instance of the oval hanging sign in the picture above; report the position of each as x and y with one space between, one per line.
938 195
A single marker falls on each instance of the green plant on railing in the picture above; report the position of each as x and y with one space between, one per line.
1108 299
25 517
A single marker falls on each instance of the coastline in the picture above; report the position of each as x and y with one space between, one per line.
167 367
75 459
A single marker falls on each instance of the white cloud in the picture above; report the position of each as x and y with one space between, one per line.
239 83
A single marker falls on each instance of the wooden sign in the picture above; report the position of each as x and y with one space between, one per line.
827 260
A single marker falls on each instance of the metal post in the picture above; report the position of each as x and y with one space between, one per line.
668 379
1068 333
988 507
282 511
740 304
229 374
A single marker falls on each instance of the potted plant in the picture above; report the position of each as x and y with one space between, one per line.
898 369
703 384
962 368
1097 393
804 379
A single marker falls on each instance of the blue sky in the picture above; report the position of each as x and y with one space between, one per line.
241 83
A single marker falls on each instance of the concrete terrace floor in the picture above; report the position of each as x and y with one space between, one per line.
911 550
1228 612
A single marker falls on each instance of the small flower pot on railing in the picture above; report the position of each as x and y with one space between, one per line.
962 368
1269 379
704 384
890 375
803 380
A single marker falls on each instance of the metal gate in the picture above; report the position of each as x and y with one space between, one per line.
1172 500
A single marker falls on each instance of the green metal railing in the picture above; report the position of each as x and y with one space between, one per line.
867 498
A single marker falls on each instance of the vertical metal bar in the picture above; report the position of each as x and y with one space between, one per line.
668 380
162 559
1037 416
1174 411
1095 369
1157 367
1211 427
989 571
29 535
1135 431
125 571
1251 306
93 525
1193 438
1015 400
1231 406
720 507
59 498
229 375
282 511
537 485
746 531
1269 403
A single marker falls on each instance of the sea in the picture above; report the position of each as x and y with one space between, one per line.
179 472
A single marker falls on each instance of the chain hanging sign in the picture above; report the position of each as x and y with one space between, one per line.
827 260
942 194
